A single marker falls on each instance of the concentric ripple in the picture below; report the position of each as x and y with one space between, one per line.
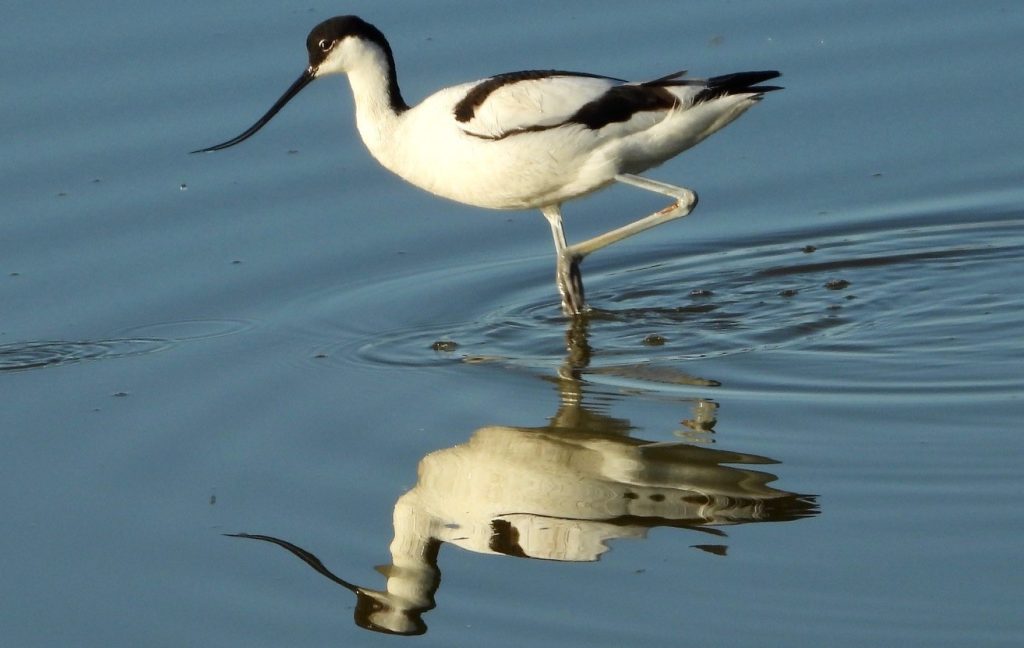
33 355
848 291
891 294
198 329
138 340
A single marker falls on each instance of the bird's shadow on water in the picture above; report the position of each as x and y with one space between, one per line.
560 492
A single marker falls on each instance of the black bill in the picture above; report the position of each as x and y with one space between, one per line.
299 84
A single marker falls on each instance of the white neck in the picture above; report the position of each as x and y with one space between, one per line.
378 102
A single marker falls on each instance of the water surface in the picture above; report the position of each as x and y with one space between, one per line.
791 418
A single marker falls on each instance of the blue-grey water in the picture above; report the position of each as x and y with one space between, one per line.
793 418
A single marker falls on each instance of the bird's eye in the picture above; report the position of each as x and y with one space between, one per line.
325 44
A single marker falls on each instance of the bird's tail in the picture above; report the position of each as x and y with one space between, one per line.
737 83
719 86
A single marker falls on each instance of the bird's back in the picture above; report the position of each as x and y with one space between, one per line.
535 138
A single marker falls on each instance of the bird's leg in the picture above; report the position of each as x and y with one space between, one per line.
569 257
567 265
685 201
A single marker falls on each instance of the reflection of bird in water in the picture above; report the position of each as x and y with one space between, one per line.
530 139
558 492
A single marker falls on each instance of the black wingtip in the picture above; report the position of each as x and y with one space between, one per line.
738 83
742 79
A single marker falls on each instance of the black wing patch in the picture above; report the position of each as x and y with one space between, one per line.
505 539
675 76
465 110
620 103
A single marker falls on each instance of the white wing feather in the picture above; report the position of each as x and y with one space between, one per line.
534 103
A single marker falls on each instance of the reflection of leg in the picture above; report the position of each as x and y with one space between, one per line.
685 201
578 350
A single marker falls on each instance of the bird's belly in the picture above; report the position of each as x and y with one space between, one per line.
521 171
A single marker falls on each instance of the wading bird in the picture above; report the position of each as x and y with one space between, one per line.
530 139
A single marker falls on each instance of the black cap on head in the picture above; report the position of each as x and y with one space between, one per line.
323 37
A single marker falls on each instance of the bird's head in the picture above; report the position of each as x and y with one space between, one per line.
336 46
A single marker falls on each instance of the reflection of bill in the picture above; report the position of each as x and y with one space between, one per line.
560 492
